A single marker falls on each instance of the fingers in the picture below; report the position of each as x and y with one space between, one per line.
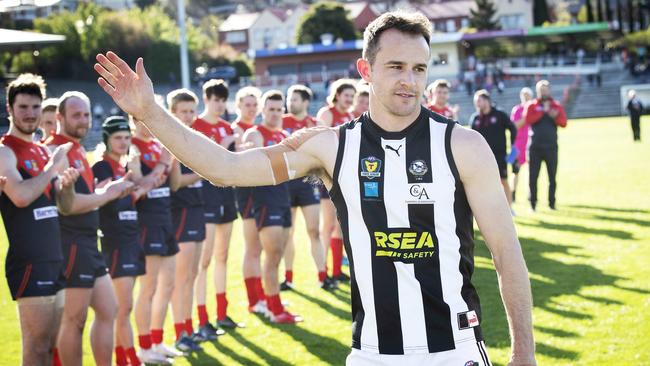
106 86
128 176
108 65
117 61
64 148
101 70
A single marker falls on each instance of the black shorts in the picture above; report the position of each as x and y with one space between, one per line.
125 260
189 224
324 194
83 262
245 202
516 167
220 214
503 166
36 279
158 240
303 193
272 216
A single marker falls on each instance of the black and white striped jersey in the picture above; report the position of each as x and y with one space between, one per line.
408 232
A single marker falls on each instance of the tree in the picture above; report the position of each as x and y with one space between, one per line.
325 17
540 13
481 18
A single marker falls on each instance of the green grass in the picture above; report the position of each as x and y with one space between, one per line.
588 265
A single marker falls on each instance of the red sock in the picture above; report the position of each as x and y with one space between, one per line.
56 361
251 285
188 326
145 341
259 289
337 255
120 356
133 358
222 306
156 336
179 328
203 315
322 276
275 304
288 276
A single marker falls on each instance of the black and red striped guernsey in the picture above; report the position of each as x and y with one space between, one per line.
154 208
33 231
86 223
118 219
278 195
291 124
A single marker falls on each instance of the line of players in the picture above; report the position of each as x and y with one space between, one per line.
158 221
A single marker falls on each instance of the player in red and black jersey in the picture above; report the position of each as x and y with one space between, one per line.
303 194
438 97
87 280
361 100
33 189
220 211
118 222
271 206
336 113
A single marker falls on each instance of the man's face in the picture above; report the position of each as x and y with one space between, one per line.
481 104
345 99
248 108
361 103
48 123
441 95
296 105
76 121
215 105
185 111
399 73
525 97
25 113
543 92
272 113
119 142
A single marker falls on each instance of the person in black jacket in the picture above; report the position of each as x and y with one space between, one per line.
635 108
492 123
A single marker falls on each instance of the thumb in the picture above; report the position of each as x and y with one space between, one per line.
128 175
103 183
65 147
139 68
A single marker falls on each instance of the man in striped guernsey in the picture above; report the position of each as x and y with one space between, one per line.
406 184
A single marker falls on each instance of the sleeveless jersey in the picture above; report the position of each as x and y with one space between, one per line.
339 118
291 124
407 228
240 124
33 231
189 196
118 219
444 111
86 223
155 207
243 193
278 195
216 196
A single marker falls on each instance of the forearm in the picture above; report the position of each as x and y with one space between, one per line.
65 200
30 189
188 179
84 203
516 294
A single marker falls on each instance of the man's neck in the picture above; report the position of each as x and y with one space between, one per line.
340 108
246 122
143 138
439 105
13 131
77 140
210 117
486 111
390 122
269 127
299 116
113 156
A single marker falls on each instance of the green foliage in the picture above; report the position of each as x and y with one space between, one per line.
482 18
325 17
23 62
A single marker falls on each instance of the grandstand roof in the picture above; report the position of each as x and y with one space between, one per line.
12 39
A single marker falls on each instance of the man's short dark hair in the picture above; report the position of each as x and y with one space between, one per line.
216 87
50 105
272 95
29 84
483 94
414 23
304 92
180 95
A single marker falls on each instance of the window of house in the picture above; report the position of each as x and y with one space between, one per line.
451 25
236 37
440 59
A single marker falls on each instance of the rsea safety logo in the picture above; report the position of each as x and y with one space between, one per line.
371 167
405 246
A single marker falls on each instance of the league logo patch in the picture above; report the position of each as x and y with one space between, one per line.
418 168
370 189
371 167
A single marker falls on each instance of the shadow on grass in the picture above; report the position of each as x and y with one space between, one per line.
202 358
342 314
556 332
616 234
611 209
268 358
328 350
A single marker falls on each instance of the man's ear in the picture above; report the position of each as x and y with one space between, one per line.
363 67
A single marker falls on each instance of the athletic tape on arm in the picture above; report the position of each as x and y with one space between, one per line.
278 154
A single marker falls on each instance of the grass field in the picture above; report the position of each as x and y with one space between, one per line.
588 262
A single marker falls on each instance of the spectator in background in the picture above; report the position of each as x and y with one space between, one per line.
635 109
438 93
521 142
361 100
543 115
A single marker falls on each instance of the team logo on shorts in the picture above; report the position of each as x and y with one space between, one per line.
371 167
418 168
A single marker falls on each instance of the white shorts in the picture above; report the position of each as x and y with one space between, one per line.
465 354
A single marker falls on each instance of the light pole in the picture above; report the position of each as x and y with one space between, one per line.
185 66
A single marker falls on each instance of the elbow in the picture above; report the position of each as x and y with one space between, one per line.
21 202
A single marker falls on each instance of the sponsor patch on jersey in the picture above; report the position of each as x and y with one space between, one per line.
86 277
404 246
418 194
128 215
371 167
44 283
155 245
46 212
370 189
128 266
418 168
209 214
467 320
197 184
158 192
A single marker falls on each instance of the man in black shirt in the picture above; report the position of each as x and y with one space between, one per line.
492 123
635 108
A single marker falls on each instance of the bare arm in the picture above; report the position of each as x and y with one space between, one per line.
179 180
324 117
23 192
478 172
65 193
84 203
133 93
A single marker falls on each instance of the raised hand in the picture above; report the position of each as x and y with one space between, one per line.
131 90
59 160
121 187
68 178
